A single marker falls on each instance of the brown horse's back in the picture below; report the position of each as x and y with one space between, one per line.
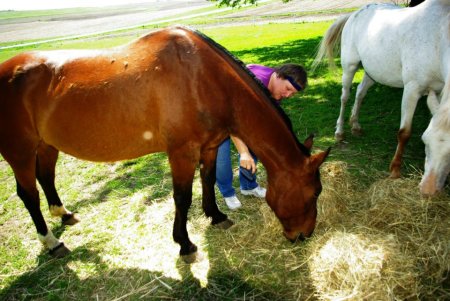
106 105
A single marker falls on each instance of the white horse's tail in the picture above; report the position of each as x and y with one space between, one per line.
330 43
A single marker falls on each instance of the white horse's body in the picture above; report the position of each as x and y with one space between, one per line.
395 45
399 47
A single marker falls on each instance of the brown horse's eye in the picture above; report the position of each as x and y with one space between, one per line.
317 193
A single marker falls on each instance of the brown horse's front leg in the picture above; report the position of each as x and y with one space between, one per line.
183 169
208 176
30 197
188 250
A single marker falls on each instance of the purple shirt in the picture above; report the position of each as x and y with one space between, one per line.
262 73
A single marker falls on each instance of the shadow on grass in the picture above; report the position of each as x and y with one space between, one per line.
131 177
55 279
300 52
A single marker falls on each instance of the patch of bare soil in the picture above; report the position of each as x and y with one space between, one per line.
296 6
95 20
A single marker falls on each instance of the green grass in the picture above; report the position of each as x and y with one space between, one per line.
123 250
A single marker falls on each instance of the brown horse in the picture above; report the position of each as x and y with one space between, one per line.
173 91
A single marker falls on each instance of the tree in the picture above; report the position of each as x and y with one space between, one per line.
415 2
238 3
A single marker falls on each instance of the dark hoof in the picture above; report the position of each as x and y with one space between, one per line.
190 255
59 251
69 219
225 224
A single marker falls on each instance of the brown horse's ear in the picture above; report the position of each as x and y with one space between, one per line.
317 160
308 143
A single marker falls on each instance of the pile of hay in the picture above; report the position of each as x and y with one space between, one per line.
384 243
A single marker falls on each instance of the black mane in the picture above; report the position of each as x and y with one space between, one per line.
273 102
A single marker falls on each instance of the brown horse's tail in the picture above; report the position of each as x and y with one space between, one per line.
329 45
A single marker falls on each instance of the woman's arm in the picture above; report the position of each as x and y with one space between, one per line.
246 159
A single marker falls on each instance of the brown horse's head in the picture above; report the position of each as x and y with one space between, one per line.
293 196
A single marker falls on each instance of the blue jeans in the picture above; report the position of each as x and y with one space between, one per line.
224 172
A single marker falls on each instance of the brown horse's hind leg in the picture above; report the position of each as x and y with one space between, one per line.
183 164
208 176
45 173
27 191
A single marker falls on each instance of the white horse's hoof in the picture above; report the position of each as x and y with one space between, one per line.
357 132
339 137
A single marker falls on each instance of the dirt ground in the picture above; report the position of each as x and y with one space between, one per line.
91 21
304 6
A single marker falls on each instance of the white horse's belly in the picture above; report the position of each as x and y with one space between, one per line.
391 77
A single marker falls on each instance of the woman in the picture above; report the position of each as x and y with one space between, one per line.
282 82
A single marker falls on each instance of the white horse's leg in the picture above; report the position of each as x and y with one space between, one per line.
411 95
361 92
347 78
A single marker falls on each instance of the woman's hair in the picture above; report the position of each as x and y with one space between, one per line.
293 72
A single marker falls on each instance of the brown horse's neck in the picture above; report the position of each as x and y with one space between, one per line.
267 134
252 114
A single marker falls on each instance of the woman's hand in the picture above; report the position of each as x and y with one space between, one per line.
247 162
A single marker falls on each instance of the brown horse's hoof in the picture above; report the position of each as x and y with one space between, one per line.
69 219
191 258
225 224
59 251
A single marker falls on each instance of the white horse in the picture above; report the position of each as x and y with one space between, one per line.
399 47
437 144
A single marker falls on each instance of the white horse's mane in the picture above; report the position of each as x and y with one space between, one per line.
443 114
